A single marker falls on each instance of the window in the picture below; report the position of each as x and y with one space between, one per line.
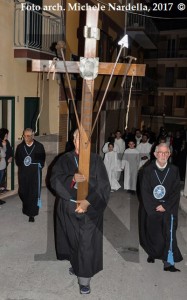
183 43
169 77
171 48
151 100
180 101
168 104
182 73
152 73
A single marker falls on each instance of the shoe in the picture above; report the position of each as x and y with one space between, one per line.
31 219
71 271
150 260
171 269
2 202
85 289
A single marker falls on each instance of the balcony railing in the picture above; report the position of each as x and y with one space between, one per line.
140 22
36 29
155 54
137 84
173 112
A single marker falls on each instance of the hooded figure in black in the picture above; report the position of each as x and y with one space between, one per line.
158 212
30 159
79 230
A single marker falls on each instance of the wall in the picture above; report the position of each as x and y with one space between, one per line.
16 81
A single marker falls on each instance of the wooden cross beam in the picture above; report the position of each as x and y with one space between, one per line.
87 93
73 67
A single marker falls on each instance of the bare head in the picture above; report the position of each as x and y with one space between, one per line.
28 135
118 134
162 153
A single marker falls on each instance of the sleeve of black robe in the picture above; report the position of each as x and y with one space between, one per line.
98 194
149 202
99 189
173 192
40 154
18 159
61 177
172 201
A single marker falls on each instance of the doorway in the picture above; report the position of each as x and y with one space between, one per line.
31 111
7 120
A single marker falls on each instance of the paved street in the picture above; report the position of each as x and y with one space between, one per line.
29 269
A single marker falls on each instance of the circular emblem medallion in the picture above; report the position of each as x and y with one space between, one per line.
159 192
27 161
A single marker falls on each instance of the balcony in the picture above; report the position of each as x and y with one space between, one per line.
156 111
143 31
181 83
137 85
34 32
157 54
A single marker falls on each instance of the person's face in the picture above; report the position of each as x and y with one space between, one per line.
118 135
110 148
28 137
144 139
138 134
131 145
76 143
162 155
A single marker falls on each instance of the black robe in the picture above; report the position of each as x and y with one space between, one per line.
154 227
79 237
29 177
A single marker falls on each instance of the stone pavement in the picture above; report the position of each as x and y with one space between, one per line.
29 269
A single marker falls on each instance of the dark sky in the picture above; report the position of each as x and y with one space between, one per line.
174 23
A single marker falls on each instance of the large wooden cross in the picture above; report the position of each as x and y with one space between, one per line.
88 93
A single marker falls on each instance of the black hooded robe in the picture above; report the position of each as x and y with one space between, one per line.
79 237
154 227
28 176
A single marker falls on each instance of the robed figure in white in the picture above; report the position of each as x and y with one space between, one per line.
113 166
130 164
144 148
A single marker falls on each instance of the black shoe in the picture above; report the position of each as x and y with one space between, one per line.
150 260
71 271
31 219
85 289
171 269
2 202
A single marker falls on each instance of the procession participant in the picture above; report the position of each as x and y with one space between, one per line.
158 213
144 149
30 159
130 164
2 164
112 165
121 145
8 157
79 230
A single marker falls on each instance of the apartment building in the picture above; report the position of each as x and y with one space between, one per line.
165 101
34 99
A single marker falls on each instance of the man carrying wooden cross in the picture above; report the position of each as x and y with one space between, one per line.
79 229
77 174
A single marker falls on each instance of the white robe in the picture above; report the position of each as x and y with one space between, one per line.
144 150
112 166
121 144
105 148
130 164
